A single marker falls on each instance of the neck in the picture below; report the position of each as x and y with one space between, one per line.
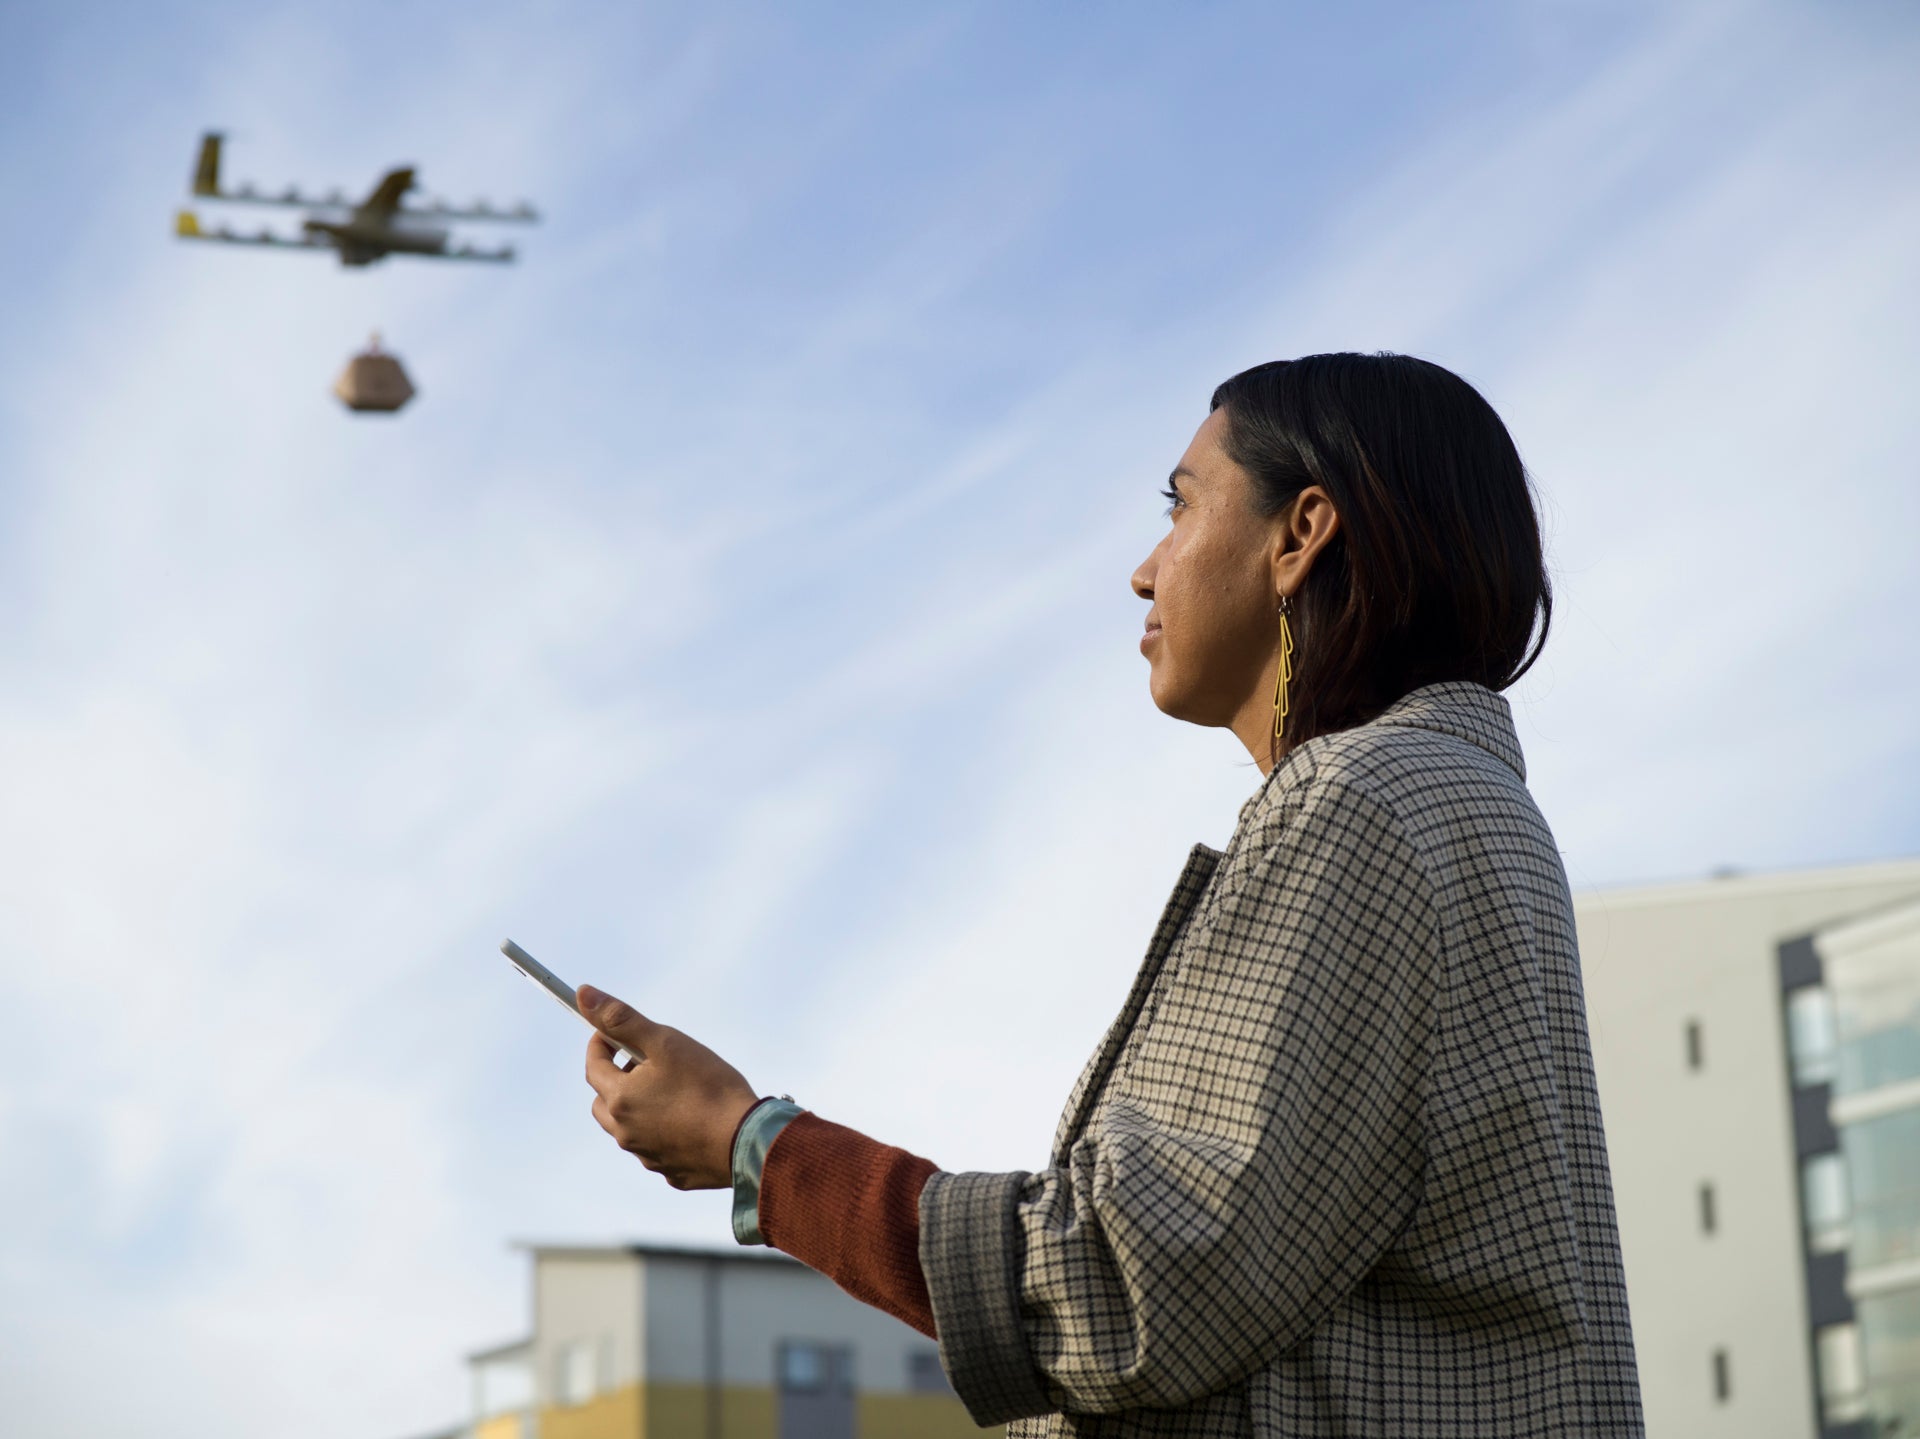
1253 727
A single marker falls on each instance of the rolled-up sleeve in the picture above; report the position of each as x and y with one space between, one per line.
1260 1148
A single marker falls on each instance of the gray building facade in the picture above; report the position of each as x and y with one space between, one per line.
1757 1046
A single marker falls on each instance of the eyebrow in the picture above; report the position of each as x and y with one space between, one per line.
1178 471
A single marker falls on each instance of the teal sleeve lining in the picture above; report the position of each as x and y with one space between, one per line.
757 1133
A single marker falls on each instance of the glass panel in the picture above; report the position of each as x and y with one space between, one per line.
1886 1232
816 1399
1823 1195
1883 1178
802 1366
1878 1026
1889 1326
575 1381
1811 1035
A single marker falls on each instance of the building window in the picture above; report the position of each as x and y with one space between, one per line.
576 1376
924 1374
815 1398
1722 1377
1824 1200
1882 1180
1696 1046
1889 1340
1709 1221
1877 1023
808 1368
802 1367
1812 1038
1843 1378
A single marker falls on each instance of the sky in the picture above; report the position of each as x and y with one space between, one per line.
739 617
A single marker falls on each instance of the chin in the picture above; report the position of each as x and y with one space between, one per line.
1168 699
1176 701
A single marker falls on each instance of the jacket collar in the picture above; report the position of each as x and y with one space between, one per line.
1466 711
1458 708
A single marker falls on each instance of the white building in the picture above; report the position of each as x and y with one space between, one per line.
1768 1189
644 1341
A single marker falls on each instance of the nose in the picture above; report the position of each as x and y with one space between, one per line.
1144 576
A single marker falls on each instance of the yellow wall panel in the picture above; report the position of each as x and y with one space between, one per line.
674 1410
748 1413
916 1416
610 1416
679 1411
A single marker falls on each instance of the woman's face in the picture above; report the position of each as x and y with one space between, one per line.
1213 627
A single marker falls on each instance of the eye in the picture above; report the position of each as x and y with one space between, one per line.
1174 501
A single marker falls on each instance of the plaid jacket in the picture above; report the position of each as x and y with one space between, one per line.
1337 1168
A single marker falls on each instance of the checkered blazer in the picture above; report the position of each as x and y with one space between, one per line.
1337 1168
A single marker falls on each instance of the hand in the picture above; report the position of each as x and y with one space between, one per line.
677 1108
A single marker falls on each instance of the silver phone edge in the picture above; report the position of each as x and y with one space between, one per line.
520 960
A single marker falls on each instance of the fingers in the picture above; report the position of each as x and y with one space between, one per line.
602 1073
612 1016
677 1110
603 1114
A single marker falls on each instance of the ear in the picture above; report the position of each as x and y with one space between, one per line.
1302 530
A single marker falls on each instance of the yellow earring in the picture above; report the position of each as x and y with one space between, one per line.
1283 676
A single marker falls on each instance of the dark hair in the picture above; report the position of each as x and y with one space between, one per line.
1436 572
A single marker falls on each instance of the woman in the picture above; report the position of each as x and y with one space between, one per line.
1337 1168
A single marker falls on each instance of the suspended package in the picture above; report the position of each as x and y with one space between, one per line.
373 381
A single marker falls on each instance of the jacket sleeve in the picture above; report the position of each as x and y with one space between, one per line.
1260 1149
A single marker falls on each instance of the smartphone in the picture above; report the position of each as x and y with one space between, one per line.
534 970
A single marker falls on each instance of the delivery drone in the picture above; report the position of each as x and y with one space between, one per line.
360 234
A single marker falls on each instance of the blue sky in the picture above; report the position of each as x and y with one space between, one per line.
739 618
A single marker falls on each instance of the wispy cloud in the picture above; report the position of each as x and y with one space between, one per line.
780 675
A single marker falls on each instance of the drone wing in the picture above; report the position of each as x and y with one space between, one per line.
206 182
187 227
379 208
501 256
522 213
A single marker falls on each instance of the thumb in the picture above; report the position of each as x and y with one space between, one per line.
613 1016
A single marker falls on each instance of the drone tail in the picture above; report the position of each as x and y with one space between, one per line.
206 174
